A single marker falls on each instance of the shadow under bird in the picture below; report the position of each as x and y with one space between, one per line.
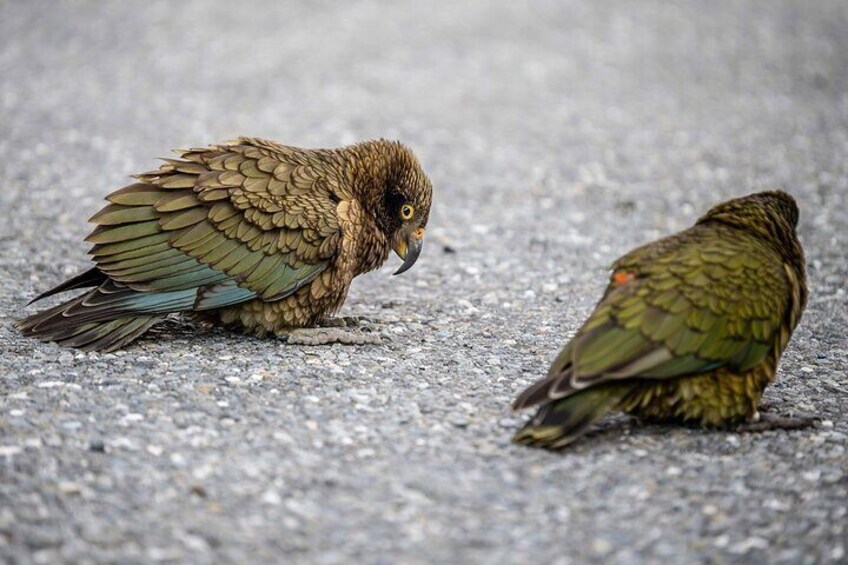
250 233
690 328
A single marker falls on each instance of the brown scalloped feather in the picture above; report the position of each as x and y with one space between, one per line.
251 232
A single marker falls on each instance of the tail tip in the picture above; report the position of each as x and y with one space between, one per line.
547 437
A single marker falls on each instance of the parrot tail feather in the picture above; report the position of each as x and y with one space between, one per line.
76 324
91 277
544 390
104 336
563 421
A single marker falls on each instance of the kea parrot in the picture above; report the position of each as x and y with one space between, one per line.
690 328
248 233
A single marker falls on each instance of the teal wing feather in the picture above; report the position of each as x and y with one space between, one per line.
219 226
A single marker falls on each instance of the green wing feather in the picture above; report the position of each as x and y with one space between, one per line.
217 227
253 215
711 296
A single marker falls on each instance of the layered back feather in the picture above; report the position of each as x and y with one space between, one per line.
220 226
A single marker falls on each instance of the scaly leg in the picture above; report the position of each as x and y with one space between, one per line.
333 330
763 422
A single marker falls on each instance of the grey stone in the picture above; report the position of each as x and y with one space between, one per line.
558 135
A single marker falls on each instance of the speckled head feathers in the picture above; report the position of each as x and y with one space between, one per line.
773 215
391 186
773 205
390 177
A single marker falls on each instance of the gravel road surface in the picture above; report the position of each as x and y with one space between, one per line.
558 135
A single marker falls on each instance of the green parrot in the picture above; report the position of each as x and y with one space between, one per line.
250 233
690 328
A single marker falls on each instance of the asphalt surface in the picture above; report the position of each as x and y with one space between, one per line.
558 135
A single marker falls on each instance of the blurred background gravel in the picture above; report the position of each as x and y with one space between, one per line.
558 135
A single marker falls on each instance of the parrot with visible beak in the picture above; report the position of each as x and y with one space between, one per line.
250 233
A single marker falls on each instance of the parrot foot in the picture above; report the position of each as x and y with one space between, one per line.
344 322
767 422
327 336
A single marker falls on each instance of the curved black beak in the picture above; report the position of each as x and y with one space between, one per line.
409 249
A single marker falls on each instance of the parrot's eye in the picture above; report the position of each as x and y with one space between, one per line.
407 211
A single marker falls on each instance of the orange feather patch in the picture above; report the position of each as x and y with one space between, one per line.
622 277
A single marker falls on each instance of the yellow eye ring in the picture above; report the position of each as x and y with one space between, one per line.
406 212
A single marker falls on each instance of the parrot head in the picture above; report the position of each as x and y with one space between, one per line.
772 215
396 196
407 201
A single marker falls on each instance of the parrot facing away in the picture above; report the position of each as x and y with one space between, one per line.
690 328
249 233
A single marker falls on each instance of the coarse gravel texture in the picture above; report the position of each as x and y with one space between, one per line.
558 135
